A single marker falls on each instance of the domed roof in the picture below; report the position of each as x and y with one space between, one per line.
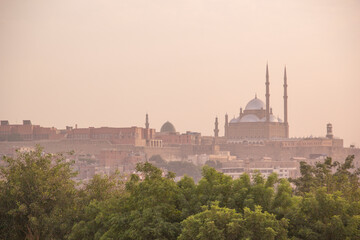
234 120
272 119
255 104
249 118
168 127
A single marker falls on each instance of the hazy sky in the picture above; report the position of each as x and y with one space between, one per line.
107 63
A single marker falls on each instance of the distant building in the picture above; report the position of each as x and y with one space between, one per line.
257 121
170 137
284 169
256 135
124 161
27 132
135 136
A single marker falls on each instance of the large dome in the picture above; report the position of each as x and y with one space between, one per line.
255 104
249 118
168 127
235 120
272 119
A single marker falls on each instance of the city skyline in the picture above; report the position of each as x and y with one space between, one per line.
96 64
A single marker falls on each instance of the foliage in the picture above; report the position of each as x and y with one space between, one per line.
329 207
214 186
36 196
214 164
39 200
284 203
189 203
149 210
212 224
263 225
334 176
180 168
218 223
325 216
96 201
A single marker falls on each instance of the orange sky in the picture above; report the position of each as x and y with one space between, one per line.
107 63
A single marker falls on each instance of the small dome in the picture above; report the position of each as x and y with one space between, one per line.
272 119
168 127
235 120
255 104
249 118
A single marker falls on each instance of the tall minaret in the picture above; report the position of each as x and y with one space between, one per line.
216 130
267 95
147 121
226 124
147 130
285 105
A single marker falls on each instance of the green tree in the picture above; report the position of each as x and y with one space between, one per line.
214 164
96 201
284 202
321 215
307 181
218 223
261 192
263 225
180 168
103 187
37 196
240 190
334 176
150 209
188 199
215 223
214 186
346 179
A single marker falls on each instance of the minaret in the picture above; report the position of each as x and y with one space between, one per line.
267 95
226 125
147 121
147 131
285 105
329 133
216 130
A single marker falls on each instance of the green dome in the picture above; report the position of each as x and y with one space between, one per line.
167 127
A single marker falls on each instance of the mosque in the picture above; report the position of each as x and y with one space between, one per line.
257 121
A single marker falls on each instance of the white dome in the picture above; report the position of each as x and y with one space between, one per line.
272 119
249 118
234 120
255 104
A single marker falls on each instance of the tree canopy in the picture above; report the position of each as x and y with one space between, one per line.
39 200
37 196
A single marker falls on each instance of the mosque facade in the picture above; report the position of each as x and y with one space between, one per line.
257 121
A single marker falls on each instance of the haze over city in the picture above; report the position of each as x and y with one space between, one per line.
179 119
108 63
